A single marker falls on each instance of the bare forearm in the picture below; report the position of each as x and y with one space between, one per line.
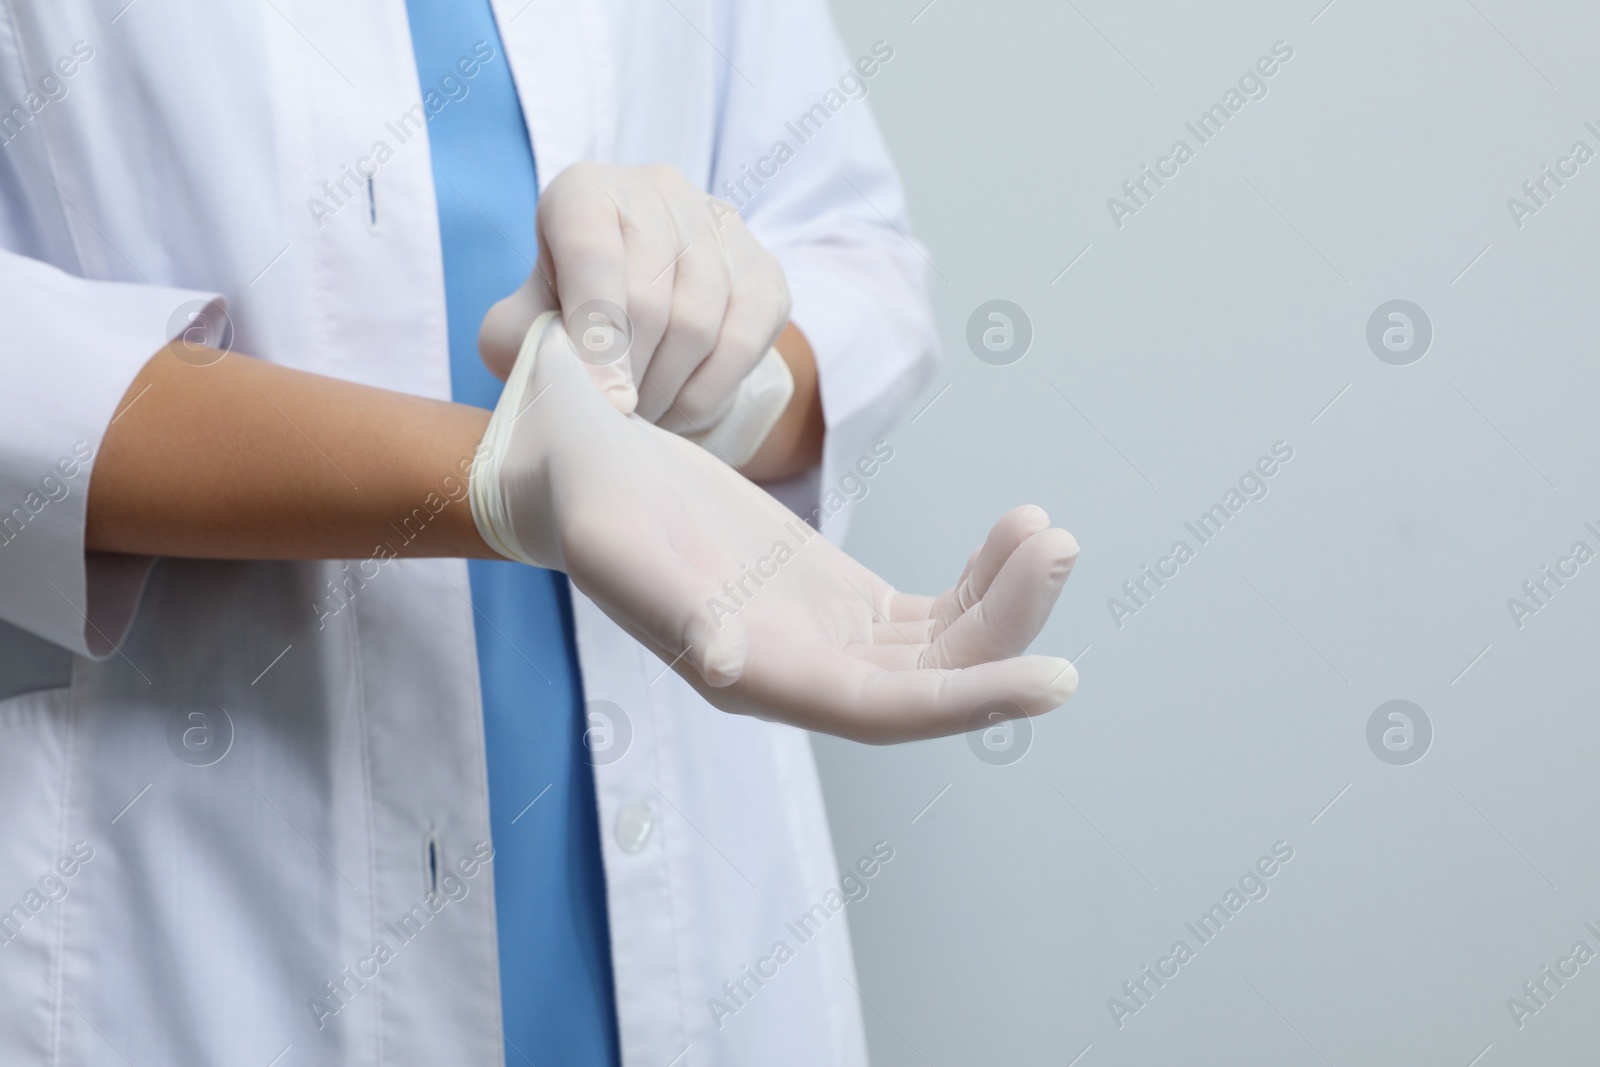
795 443
243 459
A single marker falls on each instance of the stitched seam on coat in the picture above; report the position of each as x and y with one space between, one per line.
53 173
58 957
360 696
481 764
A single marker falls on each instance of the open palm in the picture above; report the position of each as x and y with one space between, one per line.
755 609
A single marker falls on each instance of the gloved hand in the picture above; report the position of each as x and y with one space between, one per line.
756 610
671 302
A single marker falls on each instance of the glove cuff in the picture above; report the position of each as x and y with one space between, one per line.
755 409
490 511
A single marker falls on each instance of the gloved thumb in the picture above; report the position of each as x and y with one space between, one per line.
602 336
506 324
600 341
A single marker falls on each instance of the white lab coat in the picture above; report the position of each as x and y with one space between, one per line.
162 912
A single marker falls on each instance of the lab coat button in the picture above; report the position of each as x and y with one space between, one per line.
635 823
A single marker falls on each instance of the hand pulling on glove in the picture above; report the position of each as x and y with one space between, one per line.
758 612
668 298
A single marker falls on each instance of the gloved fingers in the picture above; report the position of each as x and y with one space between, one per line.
903 632
1014 607
842 694
700 290
1013 528
890 656
643 583
909 705
562 384
652 248
582 230
506 323
758 308
911 607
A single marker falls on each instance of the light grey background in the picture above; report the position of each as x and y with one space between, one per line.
1228 713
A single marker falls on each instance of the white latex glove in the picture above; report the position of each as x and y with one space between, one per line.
666 296
756 610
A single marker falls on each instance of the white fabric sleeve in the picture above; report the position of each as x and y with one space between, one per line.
73 348
834 214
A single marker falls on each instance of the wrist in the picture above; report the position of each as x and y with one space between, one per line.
794 444
509 488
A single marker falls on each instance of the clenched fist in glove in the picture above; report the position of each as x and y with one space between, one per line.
669 300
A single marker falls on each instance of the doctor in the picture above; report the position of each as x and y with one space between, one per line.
256 822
